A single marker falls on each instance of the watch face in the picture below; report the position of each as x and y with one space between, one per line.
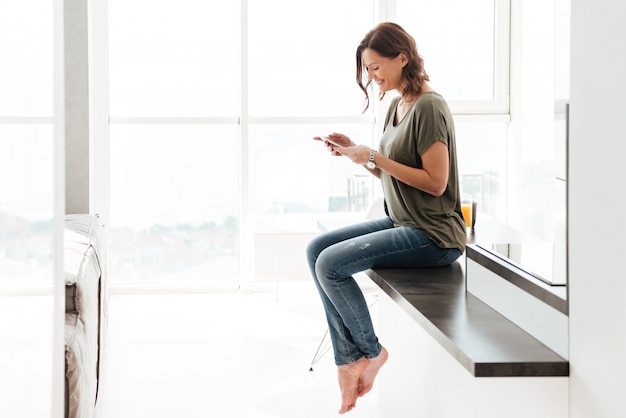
370 165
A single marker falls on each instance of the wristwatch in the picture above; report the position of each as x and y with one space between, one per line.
370 163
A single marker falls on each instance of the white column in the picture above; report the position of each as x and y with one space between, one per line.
76 107
597 198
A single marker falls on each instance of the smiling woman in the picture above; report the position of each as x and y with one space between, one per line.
416 163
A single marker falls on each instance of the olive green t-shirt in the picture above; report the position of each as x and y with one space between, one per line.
439 217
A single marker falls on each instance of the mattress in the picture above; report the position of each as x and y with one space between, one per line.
86 302
77 385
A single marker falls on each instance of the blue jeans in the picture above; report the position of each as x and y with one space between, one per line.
335 256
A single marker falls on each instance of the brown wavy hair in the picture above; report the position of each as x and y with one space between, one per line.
389 40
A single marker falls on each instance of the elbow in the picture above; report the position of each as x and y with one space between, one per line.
435 190
438 192
436 185
438 189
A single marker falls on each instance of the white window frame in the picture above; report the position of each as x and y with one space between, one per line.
500 104
497 109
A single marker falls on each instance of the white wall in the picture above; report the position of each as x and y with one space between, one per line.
597 227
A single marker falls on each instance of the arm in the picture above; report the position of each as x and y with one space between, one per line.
432 178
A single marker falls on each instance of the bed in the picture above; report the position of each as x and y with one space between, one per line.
85 312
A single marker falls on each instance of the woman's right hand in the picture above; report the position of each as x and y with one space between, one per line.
335 139
341 139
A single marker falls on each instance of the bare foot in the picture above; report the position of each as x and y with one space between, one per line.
349 377
366 381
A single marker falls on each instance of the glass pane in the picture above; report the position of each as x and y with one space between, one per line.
174 194
173 58
482 157
26 155
456 39
306 180
26 58
562 49
26 270
305 65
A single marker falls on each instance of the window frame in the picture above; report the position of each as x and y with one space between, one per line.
500 104
489 110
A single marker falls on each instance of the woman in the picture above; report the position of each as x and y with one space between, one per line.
424 227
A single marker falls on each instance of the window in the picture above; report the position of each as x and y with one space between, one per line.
465 49
482 148
26 208
304 65
301 84
212 117
179 121
173 59
174 101
541 52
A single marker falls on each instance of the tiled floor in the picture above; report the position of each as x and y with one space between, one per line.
220 355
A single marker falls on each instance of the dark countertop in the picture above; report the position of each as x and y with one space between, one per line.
482 340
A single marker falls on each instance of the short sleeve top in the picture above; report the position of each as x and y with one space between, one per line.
439 217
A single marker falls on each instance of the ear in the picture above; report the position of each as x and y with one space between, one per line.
403 59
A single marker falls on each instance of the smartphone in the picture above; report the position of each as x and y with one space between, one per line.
330 141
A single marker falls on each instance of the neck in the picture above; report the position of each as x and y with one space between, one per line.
410 98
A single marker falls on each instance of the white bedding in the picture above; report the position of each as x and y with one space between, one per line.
85 283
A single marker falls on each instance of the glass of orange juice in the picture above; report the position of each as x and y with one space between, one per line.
466 208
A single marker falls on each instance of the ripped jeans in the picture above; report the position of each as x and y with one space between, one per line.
336 255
